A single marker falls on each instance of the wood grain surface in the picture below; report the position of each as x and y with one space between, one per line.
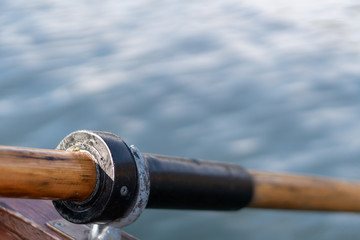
46 174
299 192
26 219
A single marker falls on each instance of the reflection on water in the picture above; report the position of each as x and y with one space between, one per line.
269 85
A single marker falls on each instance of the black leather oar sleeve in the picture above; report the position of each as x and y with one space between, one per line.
179 183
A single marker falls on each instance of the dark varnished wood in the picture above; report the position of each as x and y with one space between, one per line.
7 234
26 219
46 174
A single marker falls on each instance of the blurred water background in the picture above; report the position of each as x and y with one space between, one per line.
271 85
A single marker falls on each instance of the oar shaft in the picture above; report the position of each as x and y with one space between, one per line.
192 184
46 174
299 192
175 183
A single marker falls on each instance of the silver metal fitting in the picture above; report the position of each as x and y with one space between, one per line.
122 189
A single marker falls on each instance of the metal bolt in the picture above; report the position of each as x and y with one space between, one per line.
59 224
136 154
124 191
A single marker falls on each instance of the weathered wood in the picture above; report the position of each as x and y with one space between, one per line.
46 174
26 219
297 192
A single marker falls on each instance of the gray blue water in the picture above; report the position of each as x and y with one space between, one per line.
271 85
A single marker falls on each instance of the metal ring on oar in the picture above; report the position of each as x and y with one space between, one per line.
116 179
143 191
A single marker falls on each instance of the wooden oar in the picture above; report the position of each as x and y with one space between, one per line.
301 192
63 175
46 174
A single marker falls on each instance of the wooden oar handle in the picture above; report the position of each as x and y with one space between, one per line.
46 174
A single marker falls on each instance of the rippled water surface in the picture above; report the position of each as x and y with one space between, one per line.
270 85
